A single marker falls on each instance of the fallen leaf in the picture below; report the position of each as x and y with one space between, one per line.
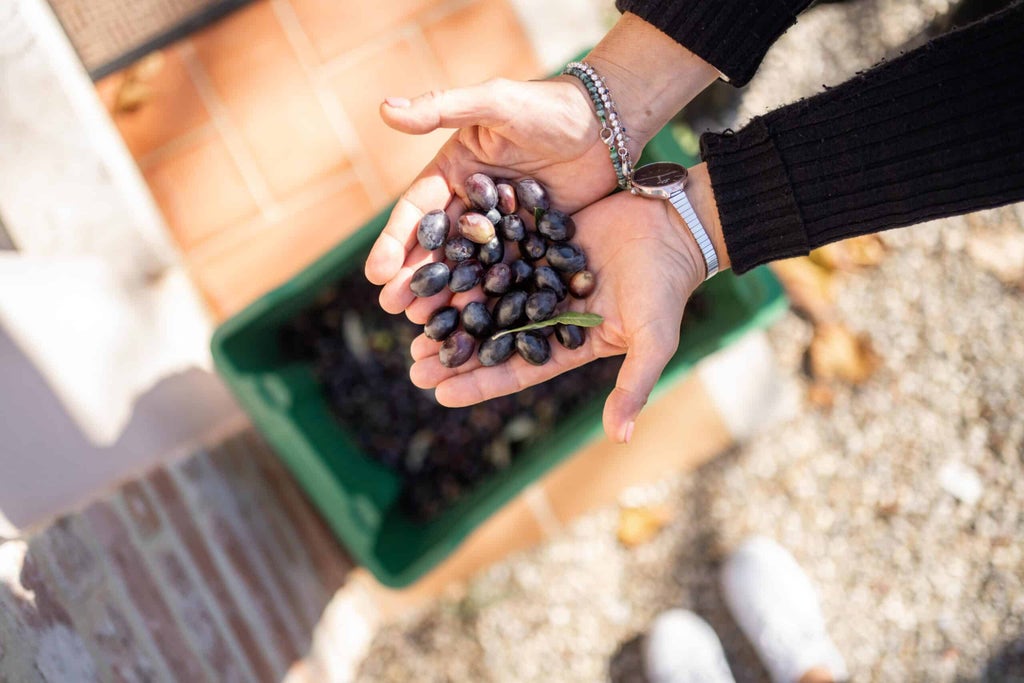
836 353
850 254
131 96
808 285
821 396
1000 254
638 525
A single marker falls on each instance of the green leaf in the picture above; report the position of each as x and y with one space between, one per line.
538 213
567 318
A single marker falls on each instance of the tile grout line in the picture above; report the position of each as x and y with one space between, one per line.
333 110
246 165
418 37
537 500
172 147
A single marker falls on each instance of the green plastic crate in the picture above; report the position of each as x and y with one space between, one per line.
356 495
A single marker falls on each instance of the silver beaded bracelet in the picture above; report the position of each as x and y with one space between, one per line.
613 133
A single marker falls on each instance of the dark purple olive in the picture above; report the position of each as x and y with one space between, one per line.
521 272
430 279
492 252
433 229
541 305
497 279
547 277
475 227
494 216
533 347
510 310
493 351
566 258
506 198
458 248
457 349
532 195
581 284
512 228
533 247
481 192
569 336
466 276
556 226
442 323
476 320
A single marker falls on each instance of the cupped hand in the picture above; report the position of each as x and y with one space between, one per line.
543 129
646 266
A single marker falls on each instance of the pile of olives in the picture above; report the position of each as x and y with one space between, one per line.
525 267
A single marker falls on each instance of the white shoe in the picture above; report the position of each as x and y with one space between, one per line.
775 605
682 648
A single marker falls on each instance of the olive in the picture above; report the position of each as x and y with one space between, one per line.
481 192
458 248
581 284
569 336
496 350
456 349
546 277
433 229
492 252
506 198
476 320
556 226
533 347
430 279
532 195
541 305
476 227
494 216
533 247
442 323
466 275
566 258
510 310
512 228
521 272
497 279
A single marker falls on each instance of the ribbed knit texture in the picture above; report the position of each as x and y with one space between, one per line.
934 133
731 35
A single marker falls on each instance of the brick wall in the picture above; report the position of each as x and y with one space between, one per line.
211 569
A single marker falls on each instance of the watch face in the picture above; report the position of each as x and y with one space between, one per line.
659 174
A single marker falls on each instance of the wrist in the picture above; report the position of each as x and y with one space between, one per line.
650 76
702 199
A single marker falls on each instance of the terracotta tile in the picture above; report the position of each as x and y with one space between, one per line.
481 41
402 68
258 256
335 27
171 106
199 189
679 431
257 75
511 529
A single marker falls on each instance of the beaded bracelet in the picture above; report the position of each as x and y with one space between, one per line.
613 133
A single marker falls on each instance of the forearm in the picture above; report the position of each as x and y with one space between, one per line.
934 133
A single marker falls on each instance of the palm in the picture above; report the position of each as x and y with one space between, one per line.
644 281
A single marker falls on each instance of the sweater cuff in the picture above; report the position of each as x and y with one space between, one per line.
731 36
759 215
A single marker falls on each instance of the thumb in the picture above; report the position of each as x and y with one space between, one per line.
645 360
477 105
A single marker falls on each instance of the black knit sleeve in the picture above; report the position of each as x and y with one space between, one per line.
731 35
936 132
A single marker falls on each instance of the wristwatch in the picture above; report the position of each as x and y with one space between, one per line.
665 180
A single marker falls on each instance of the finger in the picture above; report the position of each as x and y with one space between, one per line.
429 191
477 105
397 294
422 347
644 363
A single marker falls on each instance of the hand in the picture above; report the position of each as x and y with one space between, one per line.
544 129
647 265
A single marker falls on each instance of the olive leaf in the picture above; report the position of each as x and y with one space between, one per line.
567 318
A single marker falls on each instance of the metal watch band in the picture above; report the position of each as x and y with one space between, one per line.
681 203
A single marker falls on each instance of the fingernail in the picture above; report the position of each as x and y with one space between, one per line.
629 431
397 102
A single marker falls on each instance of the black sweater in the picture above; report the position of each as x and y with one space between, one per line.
937 132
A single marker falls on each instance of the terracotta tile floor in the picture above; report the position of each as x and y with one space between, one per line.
259 136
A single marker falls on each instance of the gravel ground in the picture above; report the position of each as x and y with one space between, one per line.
916 584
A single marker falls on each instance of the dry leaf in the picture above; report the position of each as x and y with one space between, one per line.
134 90
838 354
856 252
1001 254
808 286
821 396
638 525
